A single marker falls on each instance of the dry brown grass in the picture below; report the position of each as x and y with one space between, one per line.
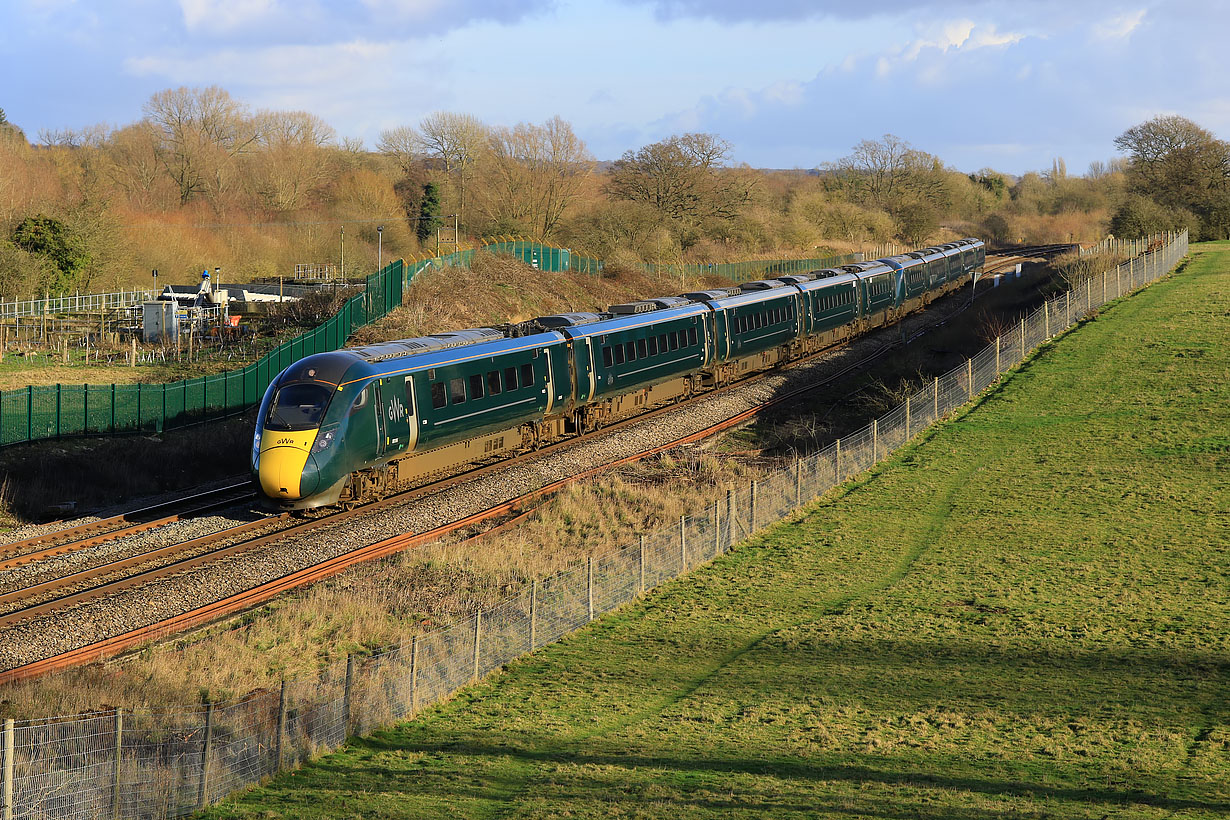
500 289
380 604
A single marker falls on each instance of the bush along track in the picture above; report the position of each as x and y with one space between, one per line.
1024 612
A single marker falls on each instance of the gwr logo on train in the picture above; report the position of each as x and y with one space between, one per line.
397 410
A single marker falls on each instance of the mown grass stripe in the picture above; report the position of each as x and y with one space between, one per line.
1026 613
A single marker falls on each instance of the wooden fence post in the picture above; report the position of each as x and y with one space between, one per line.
533 614
798 482
115 766
589 584
1022 332
10 752
717 529
969 377
875 440
838 476
202 789
752 522
478 632
279 741
414 674
641 567
907 418
998 369
683 545
731 517
346 697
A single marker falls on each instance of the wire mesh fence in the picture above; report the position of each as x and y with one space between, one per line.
155 764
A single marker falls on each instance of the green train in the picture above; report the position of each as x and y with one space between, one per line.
351 425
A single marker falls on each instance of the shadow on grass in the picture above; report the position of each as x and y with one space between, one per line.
495 752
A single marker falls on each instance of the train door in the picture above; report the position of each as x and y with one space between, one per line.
395 415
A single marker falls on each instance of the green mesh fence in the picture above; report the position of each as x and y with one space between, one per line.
54 411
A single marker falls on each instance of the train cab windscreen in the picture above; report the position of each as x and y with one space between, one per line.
298 407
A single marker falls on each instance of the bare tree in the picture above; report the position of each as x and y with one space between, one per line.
889 171
403 144
457 141
136 163
293 160
532 173
684 178
202 131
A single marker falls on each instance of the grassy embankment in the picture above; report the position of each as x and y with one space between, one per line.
1025 614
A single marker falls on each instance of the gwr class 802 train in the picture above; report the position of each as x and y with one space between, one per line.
350 425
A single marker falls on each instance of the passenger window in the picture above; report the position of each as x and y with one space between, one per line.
476 386
457 390
527 375
607 359
674 337
409 388
662 343
438 399
653 345
510 378
630 351
493 382
619 354
641 349
692 336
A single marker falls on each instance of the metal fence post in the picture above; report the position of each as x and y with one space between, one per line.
641 566
346 697
202 789
10 750
478 632
30 412
115 767
279 740
589 584
533 614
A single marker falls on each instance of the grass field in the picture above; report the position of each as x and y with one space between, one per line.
1027 614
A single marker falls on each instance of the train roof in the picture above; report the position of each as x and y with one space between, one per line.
630 321
753 297
841 278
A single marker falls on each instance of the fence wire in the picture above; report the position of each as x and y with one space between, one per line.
163 763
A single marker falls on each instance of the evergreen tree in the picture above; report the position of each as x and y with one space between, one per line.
52 239
429 212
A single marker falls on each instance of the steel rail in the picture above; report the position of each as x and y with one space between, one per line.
247 599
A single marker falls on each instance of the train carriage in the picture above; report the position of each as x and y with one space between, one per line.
346 426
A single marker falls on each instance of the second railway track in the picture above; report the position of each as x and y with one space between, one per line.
49 602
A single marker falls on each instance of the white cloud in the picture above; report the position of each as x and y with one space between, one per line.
226 15
1119 27
961 34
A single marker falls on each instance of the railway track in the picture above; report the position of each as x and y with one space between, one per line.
73 539
42 599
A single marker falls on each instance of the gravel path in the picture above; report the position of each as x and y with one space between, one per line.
96 620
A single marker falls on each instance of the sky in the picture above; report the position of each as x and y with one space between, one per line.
1003 84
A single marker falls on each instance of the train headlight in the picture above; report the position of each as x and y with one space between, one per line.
256 449
324 438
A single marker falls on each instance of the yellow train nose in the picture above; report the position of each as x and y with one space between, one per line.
282 461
